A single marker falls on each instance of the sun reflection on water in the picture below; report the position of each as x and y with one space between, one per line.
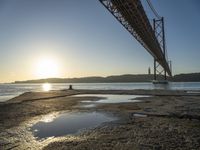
46 87
49 118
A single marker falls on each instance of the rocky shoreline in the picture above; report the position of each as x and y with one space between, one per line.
172 121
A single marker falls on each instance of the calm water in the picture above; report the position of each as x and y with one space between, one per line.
8 91
108 99
69 123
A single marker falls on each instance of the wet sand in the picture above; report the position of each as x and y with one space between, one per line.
172 122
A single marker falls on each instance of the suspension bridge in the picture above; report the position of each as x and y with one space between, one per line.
131 14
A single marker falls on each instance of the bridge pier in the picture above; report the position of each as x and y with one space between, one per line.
159 72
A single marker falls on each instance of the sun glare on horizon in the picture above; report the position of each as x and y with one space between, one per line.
46 87
47 68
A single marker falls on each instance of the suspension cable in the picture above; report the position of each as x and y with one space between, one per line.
153 9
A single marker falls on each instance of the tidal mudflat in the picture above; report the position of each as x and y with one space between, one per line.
163 120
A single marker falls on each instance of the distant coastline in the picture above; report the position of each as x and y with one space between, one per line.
190 77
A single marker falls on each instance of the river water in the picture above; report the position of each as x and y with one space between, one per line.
8 91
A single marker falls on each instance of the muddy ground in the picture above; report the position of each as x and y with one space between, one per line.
172 122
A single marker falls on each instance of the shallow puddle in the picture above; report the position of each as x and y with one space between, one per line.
69 123
111 98
193 92
88 105
139 115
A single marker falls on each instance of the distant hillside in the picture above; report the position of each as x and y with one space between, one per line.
117 78
192 77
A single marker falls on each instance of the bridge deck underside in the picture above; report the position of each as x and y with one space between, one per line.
131 15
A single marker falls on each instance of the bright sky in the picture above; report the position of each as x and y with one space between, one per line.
81 38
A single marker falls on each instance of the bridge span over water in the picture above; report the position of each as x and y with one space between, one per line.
131 14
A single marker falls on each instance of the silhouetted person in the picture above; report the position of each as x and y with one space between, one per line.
70 87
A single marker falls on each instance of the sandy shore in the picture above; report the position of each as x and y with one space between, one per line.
172 122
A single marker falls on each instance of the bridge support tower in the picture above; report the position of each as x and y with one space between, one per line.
158 26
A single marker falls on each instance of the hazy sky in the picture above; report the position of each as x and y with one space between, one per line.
81 38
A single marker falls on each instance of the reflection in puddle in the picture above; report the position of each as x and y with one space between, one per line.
108 98
193 92
88 105
69 123
139 115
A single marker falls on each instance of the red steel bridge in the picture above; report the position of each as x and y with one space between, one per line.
131 14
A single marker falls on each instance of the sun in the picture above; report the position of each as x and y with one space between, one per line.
47 68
